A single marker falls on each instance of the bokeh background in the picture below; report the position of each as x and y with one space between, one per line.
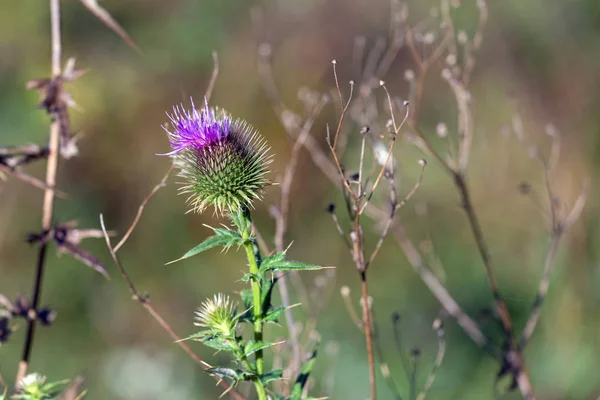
539 54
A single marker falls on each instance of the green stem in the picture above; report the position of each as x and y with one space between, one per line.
249 245
260 389
254 259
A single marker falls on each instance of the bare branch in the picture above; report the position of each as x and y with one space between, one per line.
156 188
470 327
50 184
110 22
213 78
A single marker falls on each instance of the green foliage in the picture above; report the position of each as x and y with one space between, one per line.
277 262
252 347
220 320
234 375
34 387
271 376
307 368
224 237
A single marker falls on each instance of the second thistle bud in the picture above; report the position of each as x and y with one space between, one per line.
219 315
223 160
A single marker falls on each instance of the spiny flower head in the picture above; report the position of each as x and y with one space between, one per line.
34 387
218 314
223 160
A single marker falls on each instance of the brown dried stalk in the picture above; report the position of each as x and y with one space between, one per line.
49 193
281 223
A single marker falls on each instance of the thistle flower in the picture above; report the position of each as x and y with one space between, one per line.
218 314
34 387
223 160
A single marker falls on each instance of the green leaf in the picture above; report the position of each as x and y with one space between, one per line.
305 371
252 347
223 237
241 219
246 296
212 339
273 314
267 294
219 343
249 276
236 375
271 376
277 262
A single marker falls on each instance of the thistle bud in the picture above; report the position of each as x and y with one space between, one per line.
223 160
218 315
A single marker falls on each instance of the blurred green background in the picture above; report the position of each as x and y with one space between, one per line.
545 53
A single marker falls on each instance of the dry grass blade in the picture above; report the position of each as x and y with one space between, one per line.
213 77
109 21
437 325
31 180
156 188
73 392
281 222
470 327
559 229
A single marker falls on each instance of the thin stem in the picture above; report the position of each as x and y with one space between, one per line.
368 336
257 306
484 252
48 204
260 390
254 259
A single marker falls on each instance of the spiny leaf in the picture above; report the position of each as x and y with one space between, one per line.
271 376
305 371
236 375
246 295
273 314
211 339
277 262
252 347
223 237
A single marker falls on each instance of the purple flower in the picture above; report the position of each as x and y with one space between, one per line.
222 160
197 129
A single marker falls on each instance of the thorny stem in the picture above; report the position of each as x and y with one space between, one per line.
48 204
253 255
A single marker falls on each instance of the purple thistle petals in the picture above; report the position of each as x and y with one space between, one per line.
196 129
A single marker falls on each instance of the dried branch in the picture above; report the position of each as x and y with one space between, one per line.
470 327
33 181
156 188
477 40
439 328
394 208
48 204
110 22
559 229
281 222
213 77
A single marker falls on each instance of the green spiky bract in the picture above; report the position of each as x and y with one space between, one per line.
226 169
